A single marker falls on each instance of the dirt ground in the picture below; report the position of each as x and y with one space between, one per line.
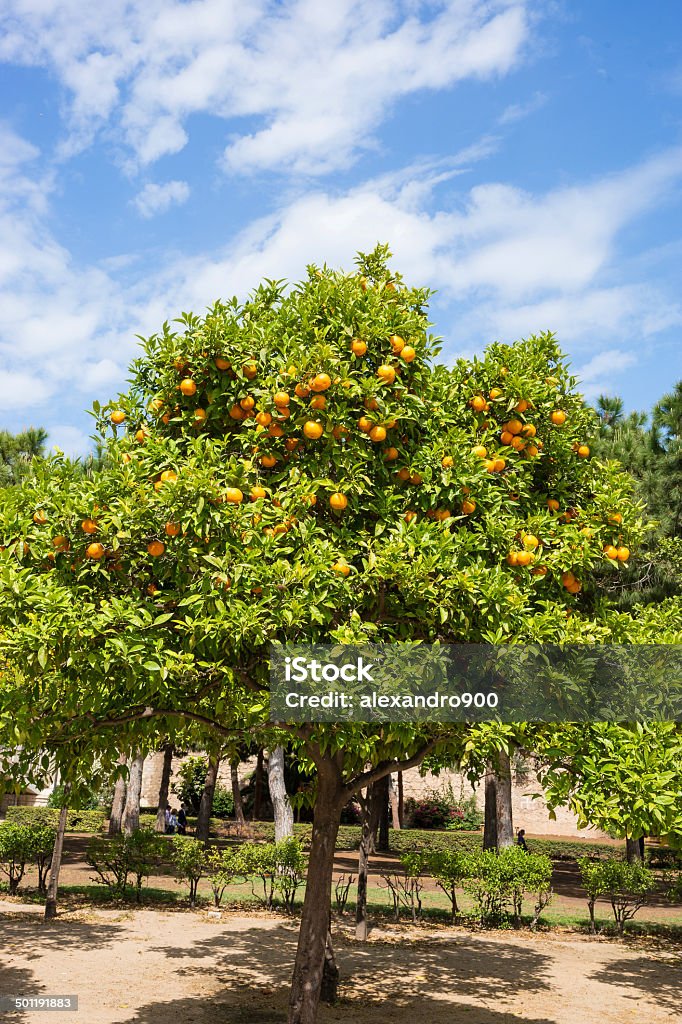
152 967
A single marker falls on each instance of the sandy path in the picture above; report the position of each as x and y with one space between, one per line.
153 968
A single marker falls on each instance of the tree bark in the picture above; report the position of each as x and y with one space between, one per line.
206 802
313 934
370 807
393 800
118 802
56 862
401 800
633 850
503 801
284 816
382 796
237 794
160 825
490 824
258 787
131 814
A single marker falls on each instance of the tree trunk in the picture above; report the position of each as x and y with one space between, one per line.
160 825
393 800
258 787
633 850
371 807
401 800
206 802
490 825
237 795
284 816
56 862
118 802
382 796
503 801
131 814
313 934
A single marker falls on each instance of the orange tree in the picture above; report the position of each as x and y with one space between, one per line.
300 468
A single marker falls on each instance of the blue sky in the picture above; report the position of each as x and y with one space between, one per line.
523 158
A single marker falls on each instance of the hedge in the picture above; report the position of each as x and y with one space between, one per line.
76 821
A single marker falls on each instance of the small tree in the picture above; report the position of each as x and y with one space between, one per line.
449 869
41 845
628 887
190 859
223 867
15 850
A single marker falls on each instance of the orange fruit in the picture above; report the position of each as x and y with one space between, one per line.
156 548
397 343
172 529
377 434
479 451
512 558
341 567
524 557
340 431
521 405
320 382
95 551
615 517
291 444
222 363
358 347
506 438
531 450
365 424
281 399
583 451
623 554
268 461
169 476
258 492
250 369
558 417
61 543
495 393
610 551
264 418
553 505
338 501
274 430
371 404
141 435
89 526
313 429
237 413
408 353
199 416
283 412
478 403
118 416
403 474
386 373
180 364
530 542
415 479
390 454
247 403
567 578
529 430
575 587
409 516
40 517
447 462
233 495
318 402
309 499
513 426
188 387
517 442
539 570
442 514
301 390
468 506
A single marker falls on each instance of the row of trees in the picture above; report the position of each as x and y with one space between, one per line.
300 468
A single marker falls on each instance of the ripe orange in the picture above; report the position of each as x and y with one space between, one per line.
274 430
301 390
340 432
365 424
338 501
237 413
95 551
250 369
156 548
309 499
524 557
415 479
539 570
495 393
518 443
615 517
358 347
40 517
313 429
558 417
258 492
468 506
530 542
264 418
409 516
397 343
188 387
610 551
623 554
575 587
118 416
61 543
320 382
529 430
89 526
390 454
291 444
247 403
180 364
371 404
233 495
499 465
506 438
169 476
386 373
479 451
172 529
447 462
553 505
513 426
512 558
403 474
318 402
442 514
408 353
341 567
521 405
199 416
268 461
377 434
281 399
478 403
583 451
141 435
222 363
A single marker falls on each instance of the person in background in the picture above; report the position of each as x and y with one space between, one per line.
173 822
166 818
521 839
182 821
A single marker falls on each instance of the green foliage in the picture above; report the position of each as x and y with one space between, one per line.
449 868
21 844
498 883
223 866
278 867
16 453
116 859
88 801
441 808
626 886
190 787
190 858
406 887
76 821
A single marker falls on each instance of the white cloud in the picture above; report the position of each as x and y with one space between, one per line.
155 198
68 439
316 78
519 111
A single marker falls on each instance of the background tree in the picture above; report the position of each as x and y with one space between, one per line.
17 451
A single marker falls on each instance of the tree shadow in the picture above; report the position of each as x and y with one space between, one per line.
16 981
24 935
658 977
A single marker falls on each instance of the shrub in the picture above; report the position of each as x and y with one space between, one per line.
76 821
449 869
466 818
406 887
190 858
223 866
280 867
626 886
41 846
498 883
223 803
15 851
115 859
